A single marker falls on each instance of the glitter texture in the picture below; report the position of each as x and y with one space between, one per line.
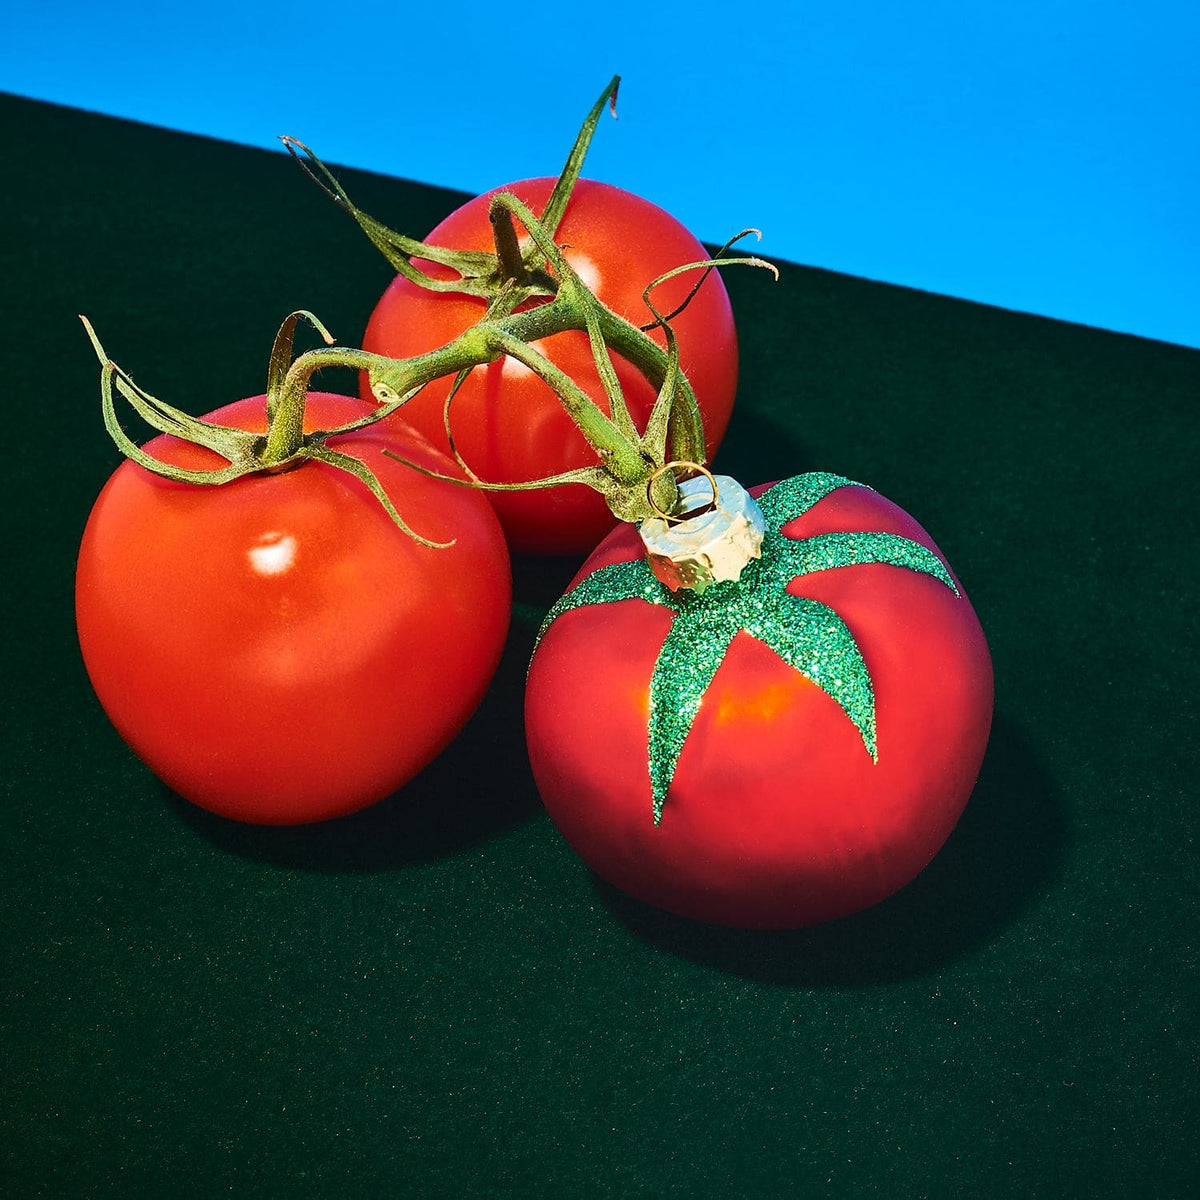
691 653
807 635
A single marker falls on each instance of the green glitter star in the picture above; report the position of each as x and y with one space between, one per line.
809 636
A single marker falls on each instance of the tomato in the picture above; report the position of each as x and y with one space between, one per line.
507 423
276 649
785 807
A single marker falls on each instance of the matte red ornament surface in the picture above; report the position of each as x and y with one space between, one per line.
507 423
777 816
275 649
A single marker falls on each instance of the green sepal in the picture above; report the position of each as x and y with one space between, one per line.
355 466
247 453
827 551
618 581
813 640
675 695
236 446
669 423
791 498
477 271
560 197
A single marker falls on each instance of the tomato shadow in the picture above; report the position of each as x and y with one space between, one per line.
757 450
1006 850
478 788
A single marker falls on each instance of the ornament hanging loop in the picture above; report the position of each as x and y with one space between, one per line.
693 468
712 543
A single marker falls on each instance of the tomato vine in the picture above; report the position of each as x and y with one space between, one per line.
630 460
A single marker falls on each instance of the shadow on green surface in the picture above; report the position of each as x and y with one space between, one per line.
479 788
1004 852
758 449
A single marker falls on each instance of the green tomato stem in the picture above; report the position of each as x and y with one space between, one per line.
508 249
393 381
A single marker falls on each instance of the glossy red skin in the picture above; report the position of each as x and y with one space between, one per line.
306 692
776 817
507 423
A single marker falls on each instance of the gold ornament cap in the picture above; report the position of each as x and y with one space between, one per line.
715 531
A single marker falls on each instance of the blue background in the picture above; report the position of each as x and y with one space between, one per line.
1042 155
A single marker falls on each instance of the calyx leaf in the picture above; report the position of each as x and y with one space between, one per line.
284 444
477 273
806 634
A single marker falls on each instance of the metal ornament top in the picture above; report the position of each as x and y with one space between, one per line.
716 531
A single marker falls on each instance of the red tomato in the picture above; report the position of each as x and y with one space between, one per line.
507 423
777 815
275 649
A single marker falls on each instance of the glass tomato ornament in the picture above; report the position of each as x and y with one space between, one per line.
773 751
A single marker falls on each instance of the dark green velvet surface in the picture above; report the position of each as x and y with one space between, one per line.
435 998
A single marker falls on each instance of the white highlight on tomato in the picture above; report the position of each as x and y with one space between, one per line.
274 554
585 268
513 367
